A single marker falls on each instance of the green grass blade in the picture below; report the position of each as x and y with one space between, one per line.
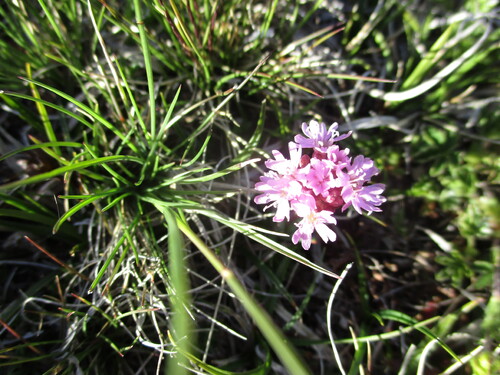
89 111
106 264
252 232
263 369
40 146
50 18
181 324
199 153
5 95
110 170
408 320
428 61
115 201
42 111
268 19
73 210
69 168
131 97
147 63
152 159
181 27
26 205
213 176
287 354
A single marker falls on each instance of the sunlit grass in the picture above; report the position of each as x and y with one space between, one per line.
132 136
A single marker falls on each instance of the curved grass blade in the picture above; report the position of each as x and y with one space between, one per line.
408 320
281 346
106 264
110 170
38 146
68 168
6 94
213 176
89 111
371 338
115 201
251 232
77 207
262 369
200 151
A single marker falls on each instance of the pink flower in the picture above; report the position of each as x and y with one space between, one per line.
367 198
314 186
319 176
319 136
278 191
312 220
284 166
362 170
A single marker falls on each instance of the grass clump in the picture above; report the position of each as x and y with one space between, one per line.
131 141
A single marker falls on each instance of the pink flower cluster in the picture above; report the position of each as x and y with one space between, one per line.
314 185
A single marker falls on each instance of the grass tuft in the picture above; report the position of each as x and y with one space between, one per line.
133 134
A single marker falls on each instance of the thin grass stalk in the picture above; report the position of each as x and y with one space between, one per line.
110 63
181 323
42 111
55 25
329 317
185 35
285 351
147 64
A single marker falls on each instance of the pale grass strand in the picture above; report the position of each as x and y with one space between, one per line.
431 82
406 360
423 356
214 322
466 358
108 60
221 290
329 317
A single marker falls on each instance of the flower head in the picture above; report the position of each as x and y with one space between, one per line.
313 186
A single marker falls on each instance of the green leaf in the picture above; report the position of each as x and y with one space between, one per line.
277 340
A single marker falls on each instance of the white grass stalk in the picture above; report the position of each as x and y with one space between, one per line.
423 357
431 82
329 317
454 367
